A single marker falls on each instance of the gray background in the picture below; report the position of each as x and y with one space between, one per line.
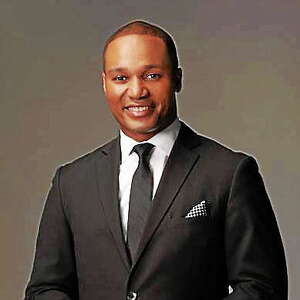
241 62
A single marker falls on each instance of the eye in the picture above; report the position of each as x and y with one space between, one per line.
119 78
152 76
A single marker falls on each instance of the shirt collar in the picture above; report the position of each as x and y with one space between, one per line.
163 140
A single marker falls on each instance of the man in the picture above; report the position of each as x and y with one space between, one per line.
159 212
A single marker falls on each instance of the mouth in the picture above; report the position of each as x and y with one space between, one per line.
139 110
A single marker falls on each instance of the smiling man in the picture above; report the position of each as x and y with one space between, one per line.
159 212
139 82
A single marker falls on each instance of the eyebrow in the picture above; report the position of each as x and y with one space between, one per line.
147 67
120 69
117 70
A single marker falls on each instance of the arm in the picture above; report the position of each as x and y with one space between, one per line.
254 252
54 275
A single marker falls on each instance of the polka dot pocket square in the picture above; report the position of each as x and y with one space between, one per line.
198 210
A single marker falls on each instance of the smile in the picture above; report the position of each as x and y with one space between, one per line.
139 111
138 108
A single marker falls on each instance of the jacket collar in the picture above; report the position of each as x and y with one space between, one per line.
181 161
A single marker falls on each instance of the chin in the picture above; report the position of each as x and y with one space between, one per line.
143 128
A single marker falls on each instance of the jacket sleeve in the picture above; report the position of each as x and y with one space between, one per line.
53 275
254 252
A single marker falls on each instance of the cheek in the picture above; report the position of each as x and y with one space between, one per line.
165 99
113 102
113 91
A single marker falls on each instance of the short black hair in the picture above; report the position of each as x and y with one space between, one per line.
142 27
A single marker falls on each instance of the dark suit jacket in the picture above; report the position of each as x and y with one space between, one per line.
81 253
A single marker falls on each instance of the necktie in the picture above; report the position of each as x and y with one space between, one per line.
140 197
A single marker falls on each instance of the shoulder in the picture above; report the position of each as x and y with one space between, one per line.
214 151
222 159
84 164
215 158
209 147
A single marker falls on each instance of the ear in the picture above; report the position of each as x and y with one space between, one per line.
178 80
103 81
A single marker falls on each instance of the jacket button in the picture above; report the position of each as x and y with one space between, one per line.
131 296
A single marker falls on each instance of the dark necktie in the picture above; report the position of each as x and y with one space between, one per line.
140 197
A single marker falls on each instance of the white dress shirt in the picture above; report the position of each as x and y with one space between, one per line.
163 143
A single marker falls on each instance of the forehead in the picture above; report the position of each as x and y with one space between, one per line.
134 50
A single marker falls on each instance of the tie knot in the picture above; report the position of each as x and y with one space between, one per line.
143 150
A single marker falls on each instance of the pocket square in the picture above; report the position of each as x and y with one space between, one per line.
197 210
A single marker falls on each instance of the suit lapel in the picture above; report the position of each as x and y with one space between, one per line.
108 187
179 165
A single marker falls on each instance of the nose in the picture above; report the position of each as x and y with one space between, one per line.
137 89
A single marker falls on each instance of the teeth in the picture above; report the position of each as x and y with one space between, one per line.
138 108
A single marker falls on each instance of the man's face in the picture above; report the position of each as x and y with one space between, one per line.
139 85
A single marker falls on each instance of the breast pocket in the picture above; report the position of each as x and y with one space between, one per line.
196 229
201 221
